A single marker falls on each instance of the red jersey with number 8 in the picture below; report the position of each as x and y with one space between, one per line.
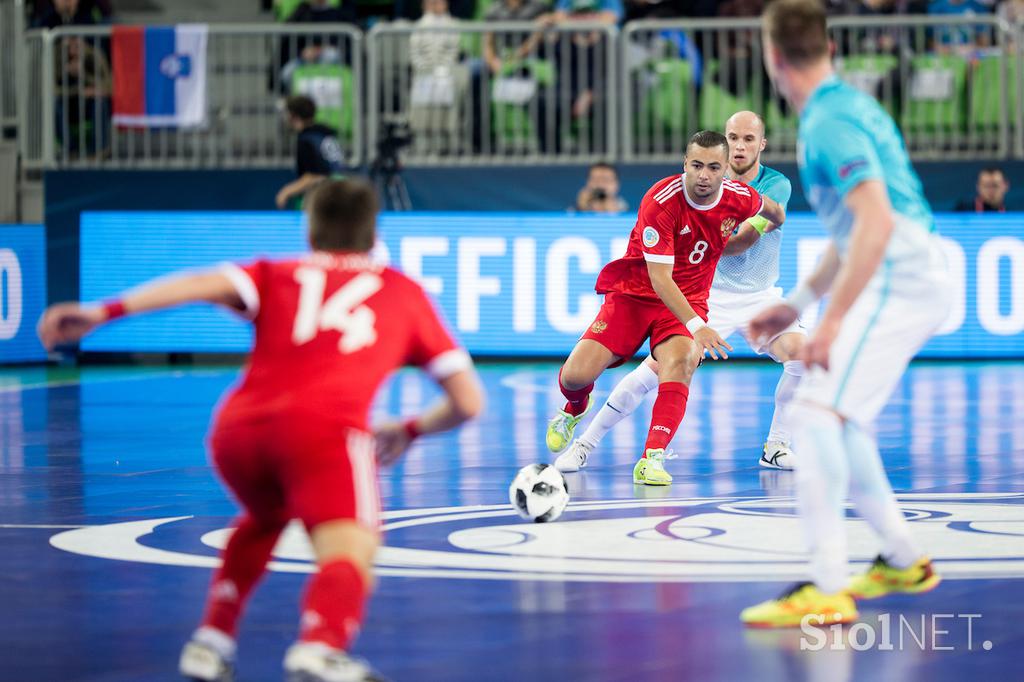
672 229
330 328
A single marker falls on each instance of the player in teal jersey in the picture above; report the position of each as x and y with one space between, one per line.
744 285
888 288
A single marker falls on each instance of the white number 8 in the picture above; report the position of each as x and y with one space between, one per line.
343 311
697 255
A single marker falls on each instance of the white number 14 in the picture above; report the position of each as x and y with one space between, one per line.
343 312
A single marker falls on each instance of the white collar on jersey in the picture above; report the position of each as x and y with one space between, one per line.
699 207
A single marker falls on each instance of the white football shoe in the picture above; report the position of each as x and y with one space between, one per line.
574 458
312 662
202 663
776 455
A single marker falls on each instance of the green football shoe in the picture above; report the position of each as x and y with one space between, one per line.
561 428
650 470
883 578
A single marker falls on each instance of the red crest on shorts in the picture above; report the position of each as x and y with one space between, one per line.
598 326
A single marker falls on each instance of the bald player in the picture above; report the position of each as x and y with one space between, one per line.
744 285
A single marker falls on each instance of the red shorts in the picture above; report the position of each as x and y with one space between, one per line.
297 467
625 322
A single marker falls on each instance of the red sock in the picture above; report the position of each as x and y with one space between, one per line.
669 409
576 398
332 610
244 561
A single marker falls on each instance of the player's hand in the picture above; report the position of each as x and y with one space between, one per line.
67 322
392 441
711 343
282 198
772 321
816 350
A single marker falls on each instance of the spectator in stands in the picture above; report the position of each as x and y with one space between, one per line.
67 13
577 53
961 36
439 81
311 48
660 9
991 197
601 193
510 47
1011 11
318 156
83 88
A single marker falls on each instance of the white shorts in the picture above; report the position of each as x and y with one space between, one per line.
887 325
730 312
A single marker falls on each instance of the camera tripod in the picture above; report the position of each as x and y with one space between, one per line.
387 178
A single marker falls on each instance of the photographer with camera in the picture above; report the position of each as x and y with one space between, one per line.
318 156
601 193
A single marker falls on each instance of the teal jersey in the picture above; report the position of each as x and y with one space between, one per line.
847 138
757 268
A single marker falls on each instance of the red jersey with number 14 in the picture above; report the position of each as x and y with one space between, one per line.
672 229
330 327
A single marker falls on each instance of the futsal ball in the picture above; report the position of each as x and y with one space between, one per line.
539 493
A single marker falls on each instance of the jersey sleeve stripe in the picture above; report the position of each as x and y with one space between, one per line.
448 363
669 192
245 287
657 258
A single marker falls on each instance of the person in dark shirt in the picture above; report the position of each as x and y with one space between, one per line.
991 197
319 155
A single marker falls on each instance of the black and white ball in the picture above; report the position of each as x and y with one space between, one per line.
539 493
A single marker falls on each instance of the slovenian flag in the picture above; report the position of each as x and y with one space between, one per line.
159 75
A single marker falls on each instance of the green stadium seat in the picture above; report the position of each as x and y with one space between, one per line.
717 104
330 86
866 71
986 111
934 101
512 124
664 113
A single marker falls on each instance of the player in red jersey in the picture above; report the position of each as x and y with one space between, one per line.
293 440
659 290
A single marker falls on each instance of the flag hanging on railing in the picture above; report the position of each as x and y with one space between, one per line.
159 75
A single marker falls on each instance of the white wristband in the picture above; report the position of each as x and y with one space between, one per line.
801 297
695 323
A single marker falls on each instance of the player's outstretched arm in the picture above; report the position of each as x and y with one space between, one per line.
773 212
745 237
68 322
463 400
668 291
872 228
776 318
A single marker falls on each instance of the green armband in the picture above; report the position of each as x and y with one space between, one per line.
759 223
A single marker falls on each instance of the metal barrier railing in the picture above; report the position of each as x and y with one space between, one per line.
509 92
517 92
678 77
1018 120
249 71
12 28
944 80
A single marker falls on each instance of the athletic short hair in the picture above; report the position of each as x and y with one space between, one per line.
301 107
708 139
991 170
343 216
797 30
604 165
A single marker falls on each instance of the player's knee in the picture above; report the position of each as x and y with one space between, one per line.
787 347
346 540
681 364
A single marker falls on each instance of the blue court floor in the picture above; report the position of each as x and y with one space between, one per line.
110 519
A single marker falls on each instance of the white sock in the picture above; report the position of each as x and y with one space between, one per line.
780 431
221 642
871 492
821 483
625 398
